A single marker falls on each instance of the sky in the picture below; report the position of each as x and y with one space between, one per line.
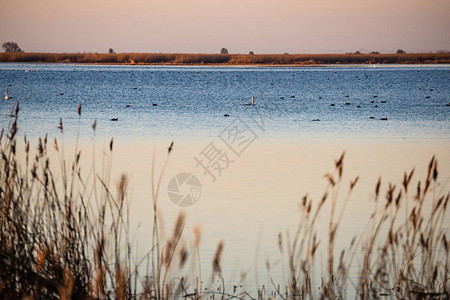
206 26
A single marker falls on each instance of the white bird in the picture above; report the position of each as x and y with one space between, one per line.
253 101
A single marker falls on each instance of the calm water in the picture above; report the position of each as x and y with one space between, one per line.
257 196
191 101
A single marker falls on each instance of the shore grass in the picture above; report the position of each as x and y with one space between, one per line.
66 236
226 59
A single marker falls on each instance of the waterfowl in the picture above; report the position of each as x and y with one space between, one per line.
226 115
115 119
383 101
359 106
332 104
347 103
383 119
253 101
154 104
316 120
371 117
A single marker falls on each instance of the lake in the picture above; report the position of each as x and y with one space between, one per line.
192 101
254 165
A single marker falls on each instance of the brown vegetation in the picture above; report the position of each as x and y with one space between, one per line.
226 59
402 254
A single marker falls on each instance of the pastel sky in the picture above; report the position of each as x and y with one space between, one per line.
193 26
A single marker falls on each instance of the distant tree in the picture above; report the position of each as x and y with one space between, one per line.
358 52
111 51
223 51
401 51
251 53
374 52
11 47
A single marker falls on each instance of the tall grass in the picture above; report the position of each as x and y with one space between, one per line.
226 59
66 235
402 254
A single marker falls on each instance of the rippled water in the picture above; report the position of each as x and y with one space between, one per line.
191 101
257 196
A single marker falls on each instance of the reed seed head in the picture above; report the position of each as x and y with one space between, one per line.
217 258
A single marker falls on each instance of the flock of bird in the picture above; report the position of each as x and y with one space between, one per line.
7 97
252 103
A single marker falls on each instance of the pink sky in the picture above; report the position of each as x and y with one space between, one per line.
262 26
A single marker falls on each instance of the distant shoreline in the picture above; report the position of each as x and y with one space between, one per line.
186 59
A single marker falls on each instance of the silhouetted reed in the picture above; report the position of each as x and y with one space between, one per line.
399 258
67 236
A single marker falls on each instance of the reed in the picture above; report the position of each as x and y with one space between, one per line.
399 258
66 235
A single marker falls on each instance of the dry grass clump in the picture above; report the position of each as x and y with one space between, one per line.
66 236
403 253
226 59
44 236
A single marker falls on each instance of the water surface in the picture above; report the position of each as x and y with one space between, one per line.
295 134
192 101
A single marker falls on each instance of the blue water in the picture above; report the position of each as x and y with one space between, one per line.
191 101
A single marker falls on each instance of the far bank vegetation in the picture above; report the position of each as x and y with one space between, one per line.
226 59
